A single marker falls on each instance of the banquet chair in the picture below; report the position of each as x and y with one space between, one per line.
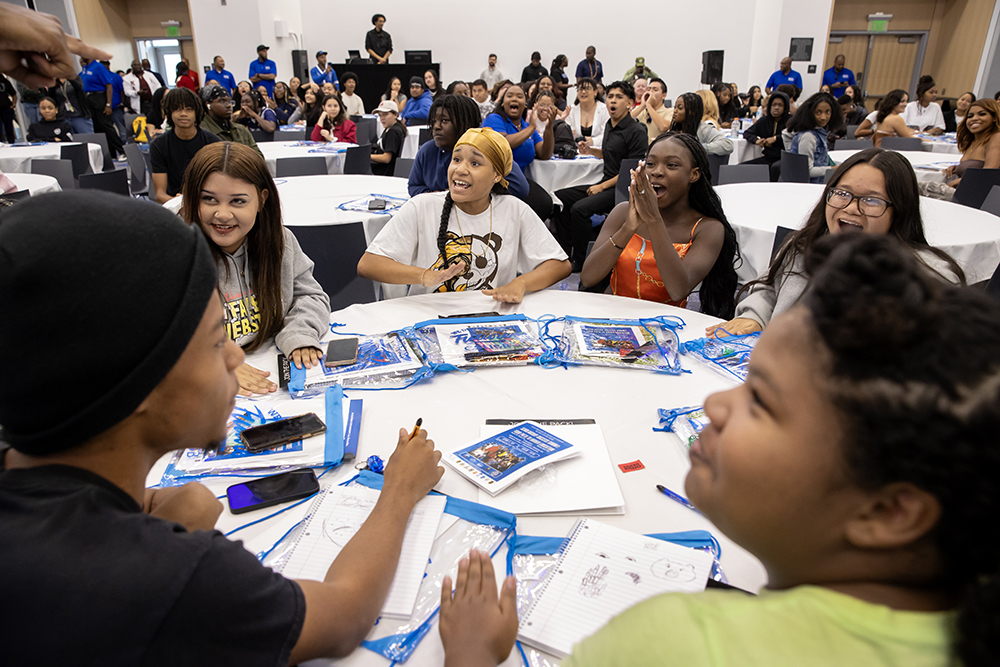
260 136
293 135
714 162
358 160
780 233
621 188
61 170
336 250
851 129
902 144
102 141
79 157
794 168
416 122
367 129
851 144
10 198
314 165
425 136
137 170
992 202
110 181
403 167
744 173
975 185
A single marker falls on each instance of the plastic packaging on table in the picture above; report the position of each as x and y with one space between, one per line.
729 356
473 526
506 340
649 344
686 423
384 361
361 204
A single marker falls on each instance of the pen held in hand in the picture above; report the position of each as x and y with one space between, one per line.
679 498
416 427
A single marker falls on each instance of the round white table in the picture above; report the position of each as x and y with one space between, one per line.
556 174
273 150
18 158
454 406
36 184
412 142
927 166
755 210
944 143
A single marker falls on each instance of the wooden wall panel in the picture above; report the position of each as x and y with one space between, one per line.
854 49
956 44
891 66
906 14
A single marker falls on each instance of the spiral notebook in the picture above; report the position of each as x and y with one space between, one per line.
338 515
602 571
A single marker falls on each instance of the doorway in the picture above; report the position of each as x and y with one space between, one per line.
881 61
163 56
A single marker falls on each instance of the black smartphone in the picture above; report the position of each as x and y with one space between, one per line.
341 352
491 313
282 432
273 490
376 205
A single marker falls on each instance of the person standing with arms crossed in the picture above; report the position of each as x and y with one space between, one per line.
378 43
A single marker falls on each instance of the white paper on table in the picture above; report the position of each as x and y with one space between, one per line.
336 519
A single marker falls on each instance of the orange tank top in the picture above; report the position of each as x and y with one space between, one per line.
637 259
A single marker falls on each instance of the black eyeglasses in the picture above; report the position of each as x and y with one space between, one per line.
868 205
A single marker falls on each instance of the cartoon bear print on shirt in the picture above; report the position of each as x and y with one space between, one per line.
480 255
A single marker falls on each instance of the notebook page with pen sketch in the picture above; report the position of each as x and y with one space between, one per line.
336 519
601 572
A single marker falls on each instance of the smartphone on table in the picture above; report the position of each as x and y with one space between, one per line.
273 490
341 352
275 434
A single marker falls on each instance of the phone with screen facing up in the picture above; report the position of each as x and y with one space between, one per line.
282 432
273 490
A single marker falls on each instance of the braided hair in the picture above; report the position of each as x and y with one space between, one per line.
694 109
442 240
912 365
719 286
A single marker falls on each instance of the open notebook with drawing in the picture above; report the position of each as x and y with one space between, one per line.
335 519
602 571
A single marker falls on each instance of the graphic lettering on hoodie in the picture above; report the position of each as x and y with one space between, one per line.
243 317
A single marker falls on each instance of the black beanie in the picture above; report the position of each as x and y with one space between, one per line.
99 297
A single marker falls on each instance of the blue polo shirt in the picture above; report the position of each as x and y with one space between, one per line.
321 76
779 78
523 154
95 77
117 90
266 67
430 173
831 77
225 79
419 107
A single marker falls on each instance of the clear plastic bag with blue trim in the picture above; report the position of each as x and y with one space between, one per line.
386 360
729 356
466 526
506 340
648 344
686 423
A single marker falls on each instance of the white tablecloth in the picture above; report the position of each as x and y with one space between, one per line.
556 173
455 405
17 159
36 184
755 210
273 150
944 143
412 142
927 166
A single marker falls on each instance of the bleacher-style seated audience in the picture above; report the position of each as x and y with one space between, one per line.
887 120
50 127
873 192
979 141
390 143
485 237
394 93
923 113
333 124
533 70
671 235
588 115
171 152
624 138
420 101
353 104
809 129
953 117
688 113
284 103
219 115
652 112
767 133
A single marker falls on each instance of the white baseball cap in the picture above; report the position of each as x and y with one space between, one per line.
387 106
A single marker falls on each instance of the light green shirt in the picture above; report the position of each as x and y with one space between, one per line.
803 626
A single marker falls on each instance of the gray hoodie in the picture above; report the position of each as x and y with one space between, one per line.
306 306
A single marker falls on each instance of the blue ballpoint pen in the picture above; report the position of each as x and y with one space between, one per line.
679 498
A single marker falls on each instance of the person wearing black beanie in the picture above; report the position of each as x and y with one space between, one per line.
113 353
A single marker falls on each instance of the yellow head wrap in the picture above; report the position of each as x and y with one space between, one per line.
494 146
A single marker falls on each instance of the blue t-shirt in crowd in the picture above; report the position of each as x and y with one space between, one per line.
780 77
266 67
117 89
321 76
584 70
430 173
419 107
95 77
523 154
225 79
831 77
